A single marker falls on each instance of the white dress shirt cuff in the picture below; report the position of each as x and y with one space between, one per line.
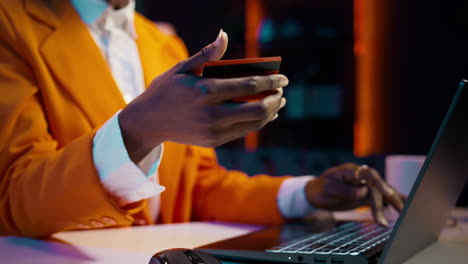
121 177
292 201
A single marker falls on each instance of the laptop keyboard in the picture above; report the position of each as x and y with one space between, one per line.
352 238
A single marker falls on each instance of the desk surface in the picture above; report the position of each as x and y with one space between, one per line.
138 244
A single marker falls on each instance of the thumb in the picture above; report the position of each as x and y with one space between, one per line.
212 52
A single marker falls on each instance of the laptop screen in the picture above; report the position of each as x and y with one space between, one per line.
437 187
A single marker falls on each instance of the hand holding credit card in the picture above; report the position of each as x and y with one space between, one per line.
243 68
194 110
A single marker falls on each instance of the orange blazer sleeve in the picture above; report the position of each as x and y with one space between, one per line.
234 196
44 187
198 188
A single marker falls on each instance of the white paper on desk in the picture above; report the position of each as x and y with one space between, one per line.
22 250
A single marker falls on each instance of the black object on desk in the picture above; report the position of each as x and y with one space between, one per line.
183 256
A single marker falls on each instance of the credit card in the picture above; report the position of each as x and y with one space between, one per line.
243 68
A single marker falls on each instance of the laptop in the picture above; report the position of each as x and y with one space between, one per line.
433 196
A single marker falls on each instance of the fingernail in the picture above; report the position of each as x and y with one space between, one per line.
383 221
283 102
218 39
283 81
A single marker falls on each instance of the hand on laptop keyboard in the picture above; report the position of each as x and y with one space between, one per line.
349 186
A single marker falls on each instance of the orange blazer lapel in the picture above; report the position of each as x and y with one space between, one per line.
158 52
150 49
77 63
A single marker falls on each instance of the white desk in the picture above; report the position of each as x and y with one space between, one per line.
117 246
138 244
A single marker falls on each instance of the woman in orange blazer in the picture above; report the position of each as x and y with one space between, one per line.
51 104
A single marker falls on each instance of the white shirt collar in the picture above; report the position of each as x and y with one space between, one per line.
99 14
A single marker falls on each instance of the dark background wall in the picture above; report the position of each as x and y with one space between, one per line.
422 57
198 22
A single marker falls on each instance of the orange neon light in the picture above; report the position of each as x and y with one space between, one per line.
253 19
368 122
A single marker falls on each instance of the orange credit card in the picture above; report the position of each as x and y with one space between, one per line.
243 68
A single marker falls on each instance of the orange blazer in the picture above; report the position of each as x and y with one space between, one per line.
55 90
